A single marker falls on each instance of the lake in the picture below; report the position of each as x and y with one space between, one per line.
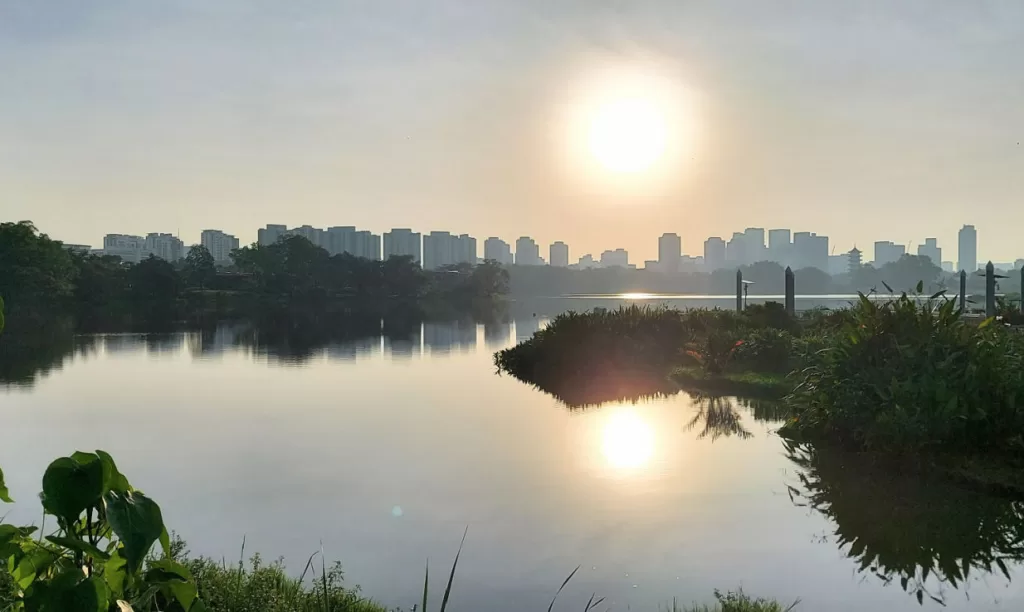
385 441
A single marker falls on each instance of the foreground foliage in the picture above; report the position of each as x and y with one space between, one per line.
95 561
904 376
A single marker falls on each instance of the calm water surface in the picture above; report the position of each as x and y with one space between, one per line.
384 446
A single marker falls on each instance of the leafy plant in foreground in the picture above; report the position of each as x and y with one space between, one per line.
95 560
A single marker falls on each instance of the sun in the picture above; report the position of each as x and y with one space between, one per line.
627 134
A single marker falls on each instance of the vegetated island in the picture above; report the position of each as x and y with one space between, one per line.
907 379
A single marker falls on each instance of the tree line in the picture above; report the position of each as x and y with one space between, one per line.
40 277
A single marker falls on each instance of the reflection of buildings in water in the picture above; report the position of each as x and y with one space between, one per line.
465 334
123 343
497 335
164 344
403 345
438 338
216 341
526 327
355 349
441 338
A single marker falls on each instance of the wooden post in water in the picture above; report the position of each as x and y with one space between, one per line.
739 291
1022 290
791 291
990 290
963 291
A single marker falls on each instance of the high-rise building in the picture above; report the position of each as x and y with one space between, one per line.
968 249
527 252
340 239
164 246
617 258
948 266
810 251
586 262
714 253
754 243
438 250
270 234
128 247
465 249
219 244
670 250
887 252
779 246
558 254
313 234
496 249
736 250
366 245
402 242
931 250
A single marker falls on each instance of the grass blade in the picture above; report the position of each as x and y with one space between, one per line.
565 582
426 583
451 577
241 563
309 564
323 575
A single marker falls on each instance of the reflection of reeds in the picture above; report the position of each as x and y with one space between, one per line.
908 527
719 416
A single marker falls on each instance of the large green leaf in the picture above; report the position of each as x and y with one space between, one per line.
79 545
137 521
174 579
5 495
72 484
113 479
89 595
115 573
30 565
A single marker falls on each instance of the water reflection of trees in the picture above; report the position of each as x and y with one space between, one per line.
718 417
924 534
588 391
25 356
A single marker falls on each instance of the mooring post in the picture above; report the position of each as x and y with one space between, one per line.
1022 289
963 291
990 290
739 291
791 291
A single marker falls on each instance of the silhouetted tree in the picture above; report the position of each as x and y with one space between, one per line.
199 266
36 273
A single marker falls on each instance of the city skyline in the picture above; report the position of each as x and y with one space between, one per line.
440 248
458 116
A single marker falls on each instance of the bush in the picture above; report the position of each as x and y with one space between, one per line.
765 350
771 315
903 376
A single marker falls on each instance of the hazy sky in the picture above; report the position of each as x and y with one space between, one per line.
860 120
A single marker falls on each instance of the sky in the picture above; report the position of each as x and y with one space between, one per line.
860 120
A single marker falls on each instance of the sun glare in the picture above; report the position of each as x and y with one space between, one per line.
627 124
627 134
627 441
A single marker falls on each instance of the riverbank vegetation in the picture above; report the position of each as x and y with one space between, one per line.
906 376
41 279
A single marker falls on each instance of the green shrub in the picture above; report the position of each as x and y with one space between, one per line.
771 315
765 350
904 376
